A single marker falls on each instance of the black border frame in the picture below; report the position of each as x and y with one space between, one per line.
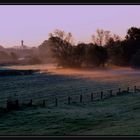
74 2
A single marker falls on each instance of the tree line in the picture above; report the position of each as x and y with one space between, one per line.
104 49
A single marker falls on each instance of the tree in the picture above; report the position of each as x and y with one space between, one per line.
117 55
96 56
133 34
45 52
4 55
69 55
5 58
62 51
135 61
62 35
132 42
14 56
101 38
79 54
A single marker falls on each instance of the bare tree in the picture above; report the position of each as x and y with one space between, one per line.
62 35
101 37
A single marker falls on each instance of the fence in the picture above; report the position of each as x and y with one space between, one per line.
55 101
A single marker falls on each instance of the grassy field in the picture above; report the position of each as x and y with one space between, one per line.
115 116
119 115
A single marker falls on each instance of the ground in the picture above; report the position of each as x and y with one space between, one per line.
118 115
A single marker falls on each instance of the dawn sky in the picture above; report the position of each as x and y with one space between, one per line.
33 23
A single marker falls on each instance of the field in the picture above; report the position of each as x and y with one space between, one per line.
118 115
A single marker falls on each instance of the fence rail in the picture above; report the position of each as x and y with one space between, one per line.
16 102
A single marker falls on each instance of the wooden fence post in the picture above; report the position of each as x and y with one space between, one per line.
69 100
81 98
134 89
31 102
128 89
17 104
9 104
43 104
56 102
101 95
111 93
118 93
91 96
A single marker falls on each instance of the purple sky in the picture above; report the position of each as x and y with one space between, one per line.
32 23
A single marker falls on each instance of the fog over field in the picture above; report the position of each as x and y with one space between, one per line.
110 74
69 70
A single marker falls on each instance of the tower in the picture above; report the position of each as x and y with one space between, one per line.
22 43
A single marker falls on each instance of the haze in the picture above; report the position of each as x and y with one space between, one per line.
33 23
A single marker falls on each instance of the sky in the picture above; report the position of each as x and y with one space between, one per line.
33 23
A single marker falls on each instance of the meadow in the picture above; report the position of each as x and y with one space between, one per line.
118 115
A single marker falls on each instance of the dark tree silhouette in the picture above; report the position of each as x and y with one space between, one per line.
106 48
132 43
78 55
116 54
95 56
133 34
62 50
135 61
